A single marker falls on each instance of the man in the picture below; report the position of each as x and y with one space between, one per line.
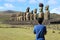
40 30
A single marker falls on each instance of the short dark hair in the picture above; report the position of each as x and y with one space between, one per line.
40 20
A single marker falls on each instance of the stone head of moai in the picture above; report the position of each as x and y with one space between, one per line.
41 7
35 10
47 7
28 8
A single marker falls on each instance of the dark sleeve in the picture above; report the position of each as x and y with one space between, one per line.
34 30
45 30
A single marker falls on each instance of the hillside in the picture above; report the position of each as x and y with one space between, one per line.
9 11
54 15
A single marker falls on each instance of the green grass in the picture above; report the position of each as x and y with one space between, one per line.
25 34
4 17
16 34
53 36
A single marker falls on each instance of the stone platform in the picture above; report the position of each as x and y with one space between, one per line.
32 22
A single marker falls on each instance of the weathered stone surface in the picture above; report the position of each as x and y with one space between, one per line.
31 15
47 13
41 14
34 15
27 13
24 16
27 16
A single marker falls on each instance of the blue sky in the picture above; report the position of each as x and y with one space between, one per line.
21 5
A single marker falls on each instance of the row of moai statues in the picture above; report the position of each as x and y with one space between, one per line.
26 16
33 14
29 15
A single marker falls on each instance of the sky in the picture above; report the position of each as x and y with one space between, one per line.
21 5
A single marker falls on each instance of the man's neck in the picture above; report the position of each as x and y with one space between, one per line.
39 24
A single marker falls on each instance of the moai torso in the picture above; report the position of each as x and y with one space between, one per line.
27 16
41 14
19 17
24 16
31 15
27 13
35 16
47 13
16 17
13 17
35 11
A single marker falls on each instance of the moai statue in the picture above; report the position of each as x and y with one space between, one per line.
27 13
34 15
21 17
17 18
24 16
12 17
41 14
31 15
47 13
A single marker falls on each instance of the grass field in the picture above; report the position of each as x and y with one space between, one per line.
25 34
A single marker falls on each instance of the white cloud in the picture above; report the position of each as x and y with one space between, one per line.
32 1
56 10
10 0
41 1
36 1
1 7
22 1
52 2
8 5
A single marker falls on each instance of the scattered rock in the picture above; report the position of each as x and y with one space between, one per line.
53 31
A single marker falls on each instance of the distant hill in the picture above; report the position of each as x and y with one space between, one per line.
54 15
8 11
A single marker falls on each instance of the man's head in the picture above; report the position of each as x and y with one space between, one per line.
40 20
